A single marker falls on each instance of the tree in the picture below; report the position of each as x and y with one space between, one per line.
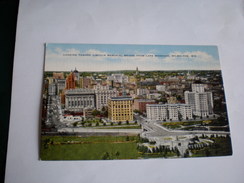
46 143
177 151
178 97
179 116
207 152
96 112
75 124
186 154
127 122
103 109
106 156
117 154
127 138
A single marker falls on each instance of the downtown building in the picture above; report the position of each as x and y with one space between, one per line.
118 78
79 99
201 101
140 104
120 109
85 82
70 81
169 111
102 97
60 85
52 89
142 91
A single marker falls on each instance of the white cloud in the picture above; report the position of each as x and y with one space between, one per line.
93 51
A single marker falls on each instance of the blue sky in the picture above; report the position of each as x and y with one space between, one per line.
66 57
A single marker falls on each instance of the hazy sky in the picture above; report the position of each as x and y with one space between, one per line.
102 57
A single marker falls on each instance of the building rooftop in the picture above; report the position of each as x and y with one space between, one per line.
80 91
144 100
121 98
179 104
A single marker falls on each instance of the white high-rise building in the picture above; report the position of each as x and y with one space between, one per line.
198 88
168 111
201 102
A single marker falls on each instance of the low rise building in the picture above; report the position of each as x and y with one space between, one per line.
160 87
154 96
142 91
140 104
79 99
120 78
168 111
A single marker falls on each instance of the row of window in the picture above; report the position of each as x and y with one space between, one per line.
80 103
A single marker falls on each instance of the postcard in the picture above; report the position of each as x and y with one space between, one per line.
117 102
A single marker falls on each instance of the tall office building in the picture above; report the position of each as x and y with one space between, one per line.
201 101
60 85
52 89
120 109
198 88
70 81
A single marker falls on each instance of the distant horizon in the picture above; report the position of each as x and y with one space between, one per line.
134 70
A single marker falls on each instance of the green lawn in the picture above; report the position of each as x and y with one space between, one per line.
91 148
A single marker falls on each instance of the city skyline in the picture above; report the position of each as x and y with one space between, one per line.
97 58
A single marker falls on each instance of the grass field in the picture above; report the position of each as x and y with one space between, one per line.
89 148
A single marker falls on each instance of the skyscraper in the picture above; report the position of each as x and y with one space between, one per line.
201 101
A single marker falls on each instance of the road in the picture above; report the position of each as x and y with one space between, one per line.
95 130
155 129
54 112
